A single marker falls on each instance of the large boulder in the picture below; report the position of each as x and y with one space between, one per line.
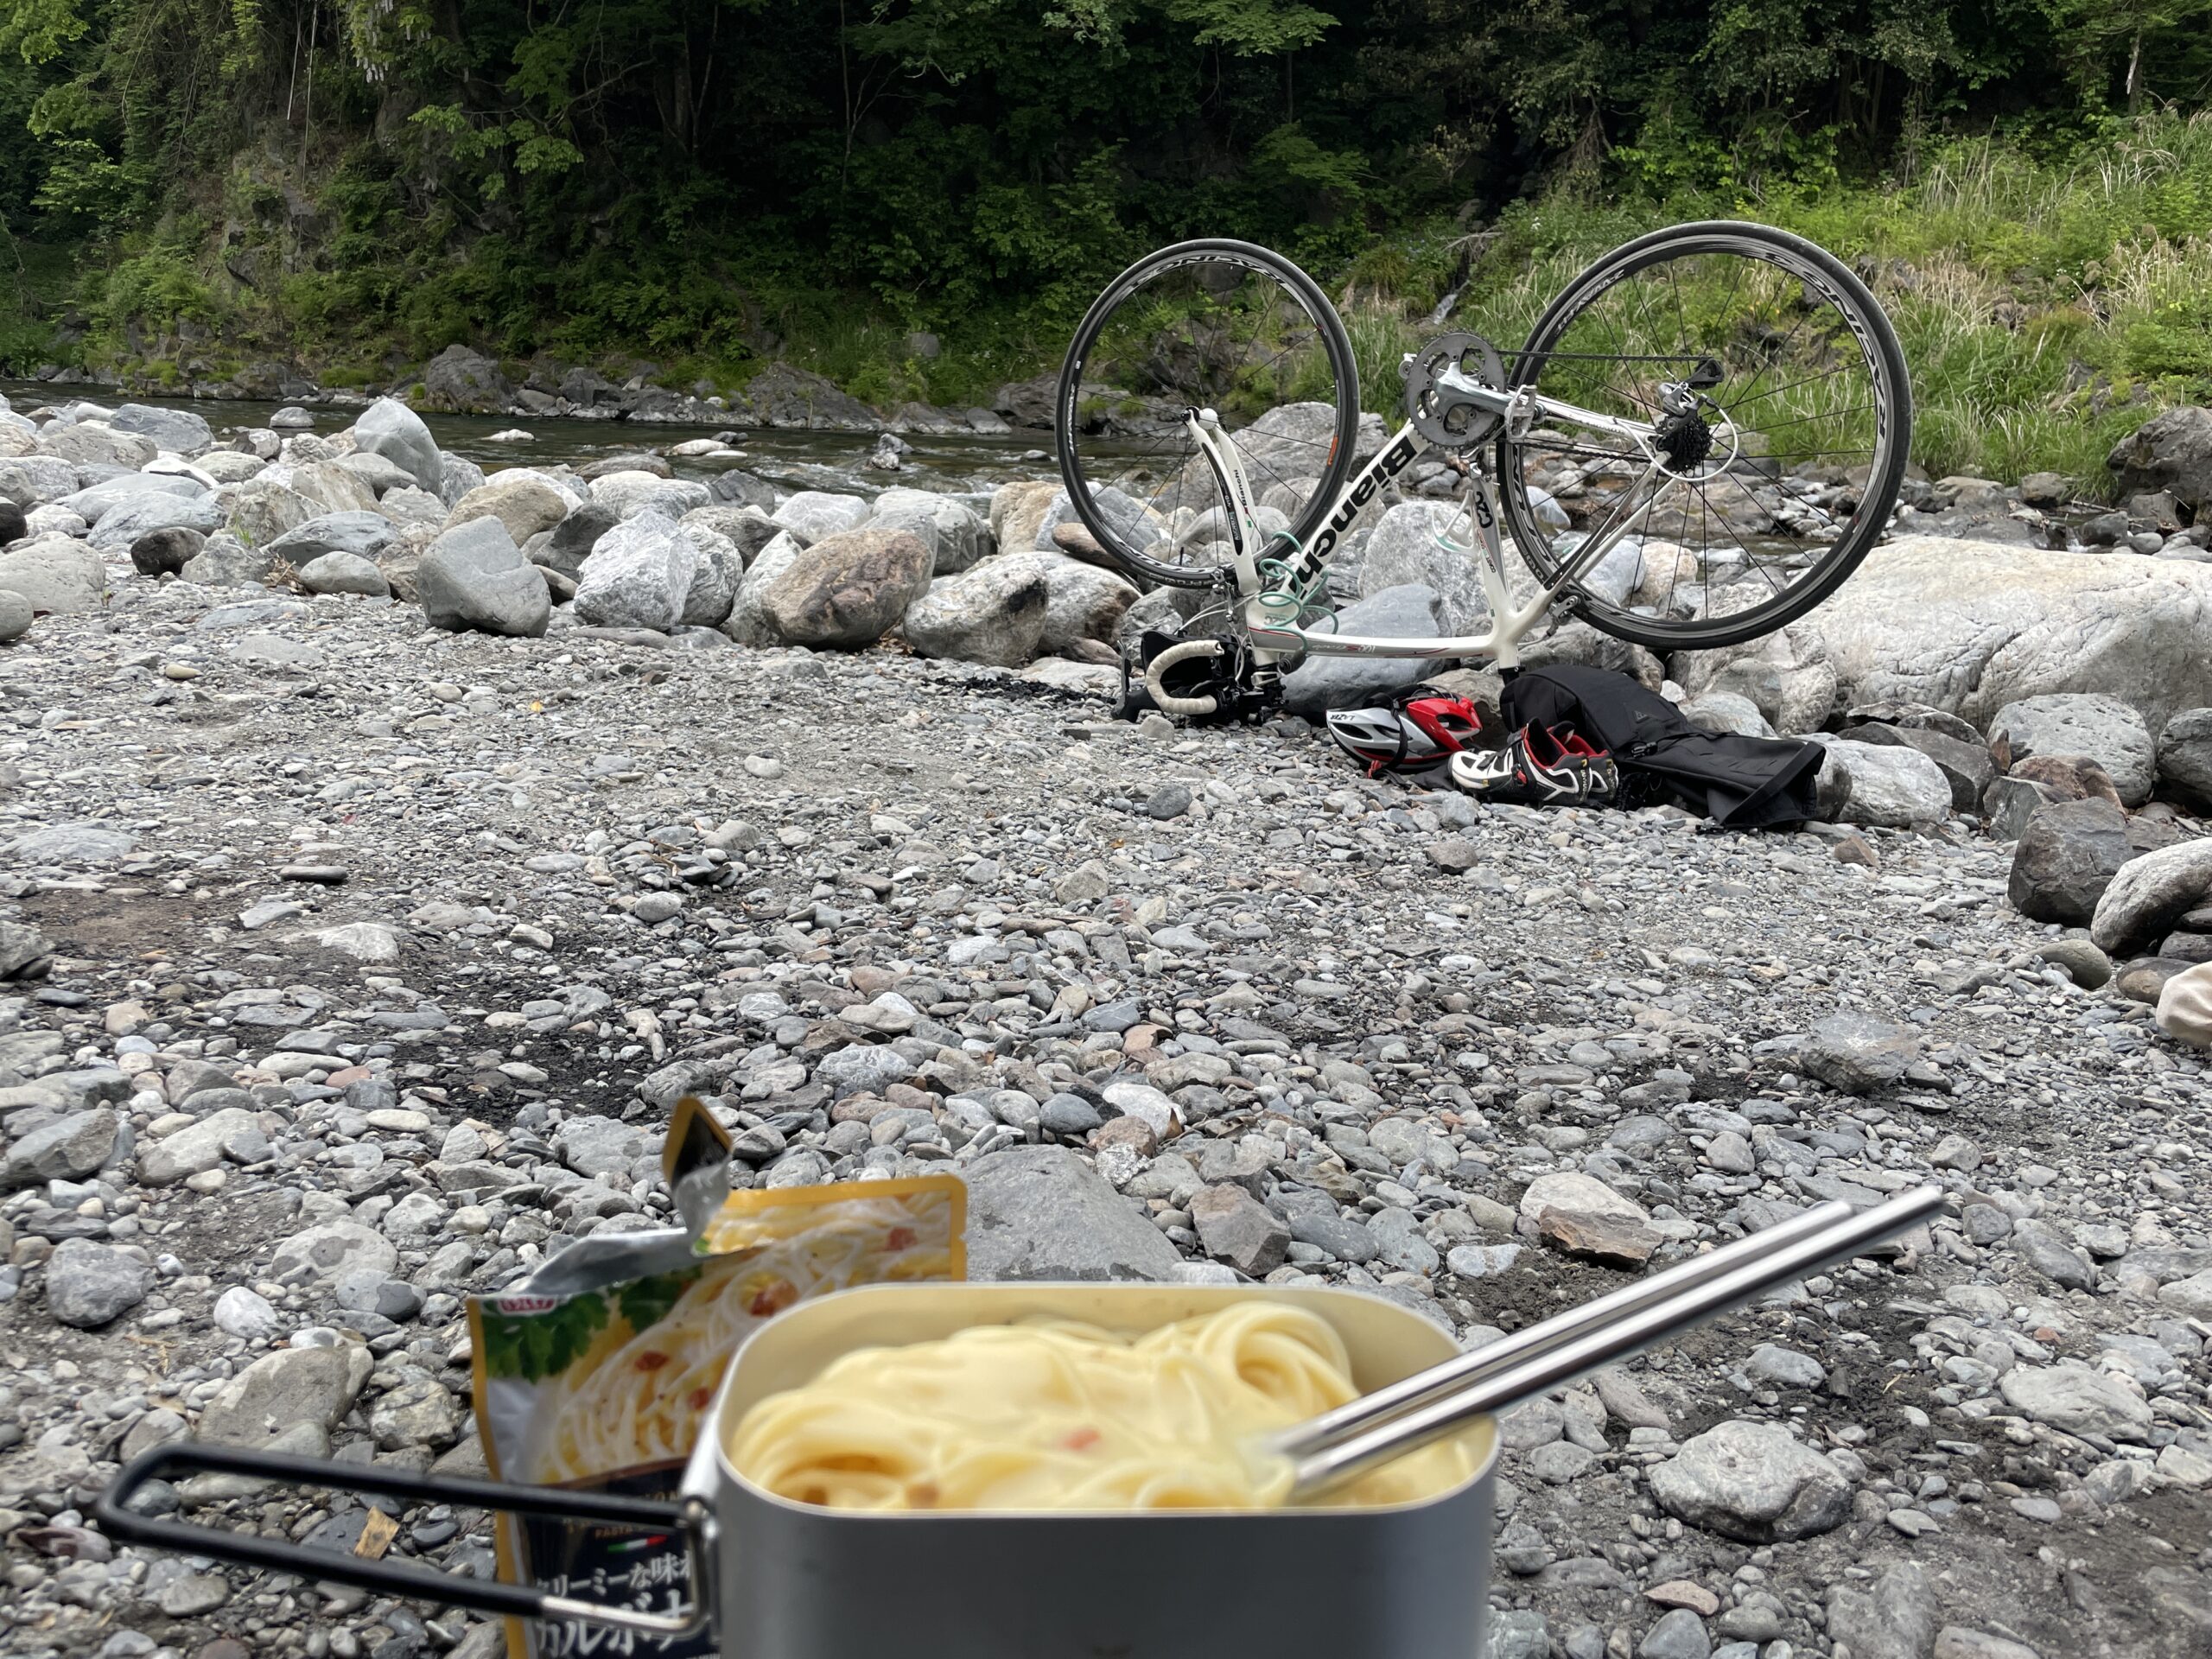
1971 627
344 573
380 473
847 588
714 585
1041 1213
525 501
955 534
811 514
473 577
2104 728
627 494
993 614
389 428
1018 511
571 542
1321 683
226 562
177 430
27 481
364 534
2185 759
746 528
261 510
1880 784
55 573
466 382
166 552
120 526
1403 550
639 575
748 622
129 490
95 443
1787 676
2171 451
2065 858
332 488
1966 765
2148 896
783 396
1082 601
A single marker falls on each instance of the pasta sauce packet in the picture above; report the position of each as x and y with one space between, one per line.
596 1371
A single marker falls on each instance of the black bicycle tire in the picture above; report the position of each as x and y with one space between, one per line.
1875 504
1338 343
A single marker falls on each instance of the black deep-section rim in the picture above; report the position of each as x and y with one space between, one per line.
1328 326
1807 263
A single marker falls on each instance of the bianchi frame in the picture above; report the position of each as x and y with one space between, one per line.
1270 615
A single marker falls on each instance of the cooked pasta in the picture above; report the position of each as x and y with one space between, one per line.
1052 1416
634 1398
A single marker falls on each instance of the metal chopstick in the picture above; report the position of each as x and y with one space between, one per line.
1471 1370
1317 1467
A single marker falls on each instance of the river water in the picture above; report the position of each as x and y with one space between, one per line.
793 459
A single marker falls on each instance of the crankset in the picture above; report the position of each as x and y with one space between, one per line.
1441 412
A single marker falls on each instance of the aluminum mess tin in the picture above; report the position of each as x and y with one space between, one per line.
793 1581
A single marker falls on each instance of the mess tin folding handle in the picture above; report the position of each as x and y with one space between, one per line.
687 1517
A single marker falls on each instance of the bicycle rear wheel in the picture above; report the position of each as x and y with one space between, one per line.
1212 324
1784 413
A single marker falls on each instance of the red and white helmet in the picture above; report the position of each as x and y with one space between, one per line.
1413 732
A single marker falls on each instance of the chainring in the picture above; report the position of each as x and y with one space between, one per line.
1445 421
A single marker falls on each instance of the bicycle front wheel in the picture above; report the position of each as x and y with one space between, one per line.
1219 325
1782 417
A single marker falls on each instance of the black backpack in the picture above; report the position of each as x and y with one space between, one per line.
1740 783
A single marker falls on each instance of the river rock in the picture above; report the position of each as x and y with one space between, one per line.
1403 551
746 528
344 573
15 616
2077 1400
742 489
177 430
315 1386
1082 602
2171 451
2066 857
845 589
1893 1617
93 504
70 1149
1880 784
123 525
260 511
714 583
1581 1216
88 1285
56 575
233 1131
1752 1481
332 488
27 481
525 501
993 614
225 561
1324 683
627 494
639 575
1966 764
358 531
95 443
811 514
2149 894
380 473
1237 1228
955 533
2104 728
1786 676
2185 759
388 428
331 1250
1726 711
472 577
1042 1213
166 552
464 380
571 542
1972 626
1858 1054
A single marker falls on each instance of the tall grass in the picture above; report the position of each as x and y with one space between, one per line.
2046 308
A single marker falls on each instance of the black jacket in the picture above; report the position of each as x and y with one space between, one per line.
1740 783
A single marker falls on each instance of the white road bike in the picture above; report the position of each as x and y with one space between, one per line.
1701 439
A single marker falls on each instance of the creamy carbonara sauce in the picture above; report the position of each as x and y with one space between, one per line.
1066 1416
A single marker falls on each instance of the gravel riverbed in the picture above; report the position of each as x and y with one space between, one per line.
379 955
